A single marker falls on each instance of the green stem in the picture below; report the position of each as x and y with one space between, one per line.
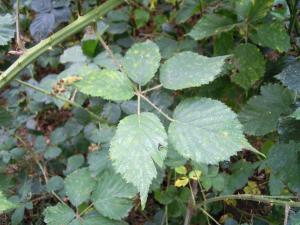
34 52
255 198
293 10
43 91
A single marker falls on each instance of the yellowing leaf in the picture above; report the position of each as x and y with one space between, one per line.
195 175
252 188
181 170
231 202
70 80
181 182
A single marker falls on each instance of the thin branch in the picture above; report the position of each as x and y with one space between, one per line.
109 51
152 89
192 203
155 107
43 91
204 198
18 38
255 198
139 102
209 216
286 214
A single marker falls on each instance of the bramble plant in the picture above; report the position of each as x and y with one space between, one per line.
156 112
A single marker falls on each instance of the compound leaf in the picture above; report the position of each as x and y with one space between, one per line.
250 65
7 29
189 69
135 150
206 131
142 61
108 84
113 197
210 25
79 186
261 113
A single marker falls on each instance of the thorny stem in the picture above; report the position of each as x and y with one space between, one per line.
43 91
154 106
255 198
33 53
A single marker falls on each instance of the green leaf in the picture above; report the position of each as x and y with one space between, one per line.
206 131
186 10
224 44
250 65
73 163
272 36
141 17
252 11
100 220
138 139
5 204
189 69
142 61
7 29
5 117
108 84
113 197
210 25
289 76
296 114
294 218
59 214
238 178
261 113
73 55
79 186
283 159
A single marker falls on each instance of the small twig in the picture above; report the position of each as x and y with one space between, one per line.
18 38
109 51
43 91
192 203
152 89
286 214
204 199
86 209
139 102
155 107
209 216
